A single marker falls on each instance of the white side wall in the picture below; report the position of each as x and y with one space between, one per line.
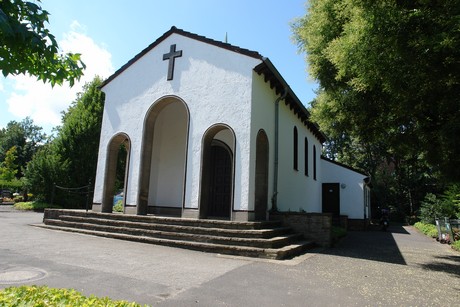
216 86
296 192
351 188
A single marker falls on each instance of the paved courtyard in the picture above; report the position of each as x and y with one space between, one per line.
400 267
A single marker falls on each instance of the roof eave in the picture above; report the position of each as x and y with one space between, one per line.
277 82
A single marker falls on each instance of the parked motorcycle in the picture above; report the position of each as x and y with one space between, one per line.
385 220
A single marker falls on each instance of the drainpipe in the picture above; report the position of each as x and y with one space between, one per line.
275 174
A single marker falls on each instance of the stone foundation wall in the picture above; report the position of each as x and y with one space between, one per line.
313 226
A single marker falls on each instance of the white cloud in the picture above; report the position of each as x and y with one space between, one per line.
43 103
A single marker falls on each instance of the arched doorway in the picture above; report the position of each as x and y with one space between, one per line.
217 173
261 178
116 170
164 158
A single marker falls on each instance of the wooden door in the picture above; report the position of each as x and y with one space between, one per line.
331 199
221 183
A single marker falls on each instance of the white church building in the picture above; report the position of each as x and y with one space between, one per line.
213 131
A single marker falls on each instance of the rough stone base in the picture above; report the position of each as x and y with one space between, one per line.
97 207
165 211
313 226
190 213
130 210
242 216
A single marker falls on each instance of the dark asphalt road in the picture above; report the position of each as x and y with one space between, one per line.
400 267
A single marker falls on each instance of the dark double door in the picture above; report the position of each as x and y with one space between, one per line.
220 192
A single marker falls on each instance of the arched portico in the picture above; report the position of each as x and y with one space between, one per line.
217 172
164 157
110 177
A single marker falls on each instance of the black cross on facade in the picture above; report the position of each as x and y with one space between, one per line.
171 56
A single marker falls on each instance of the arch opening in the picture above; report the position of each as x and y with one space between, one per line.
261 177
164 158
217 173
116 173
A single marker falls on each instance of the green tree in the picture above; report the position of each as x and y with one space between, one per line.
77 141
389 75
27 46
43 171
26 137
8 168
70 159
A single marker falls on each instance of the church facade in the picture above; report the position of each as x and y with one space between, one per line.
214 131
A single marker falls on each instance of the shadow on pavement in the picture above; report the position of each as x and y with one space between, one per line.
370 245
447 264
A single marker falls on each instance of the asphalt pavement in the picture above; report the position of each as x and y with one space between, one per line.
399 267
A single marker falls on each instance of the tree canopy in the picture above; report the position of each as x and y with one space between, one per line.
27 46
26 137
389 75
70 159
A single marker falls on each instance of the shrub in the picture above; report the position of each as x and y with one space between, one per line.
433 207
427 229
45 296
18 199
118 207
338 233
33 205
456 245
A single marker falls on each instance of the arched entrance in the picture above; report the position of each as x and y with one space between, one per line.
164 156
217 173
116 170
261 178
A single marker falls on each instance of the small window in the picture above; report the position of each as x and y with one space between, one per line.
314 162
296 147
306 157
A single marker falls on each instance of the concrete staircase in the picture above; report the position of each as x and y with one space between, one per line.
253 239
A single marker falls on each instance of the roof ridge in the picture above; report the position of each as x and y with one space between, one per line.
174 29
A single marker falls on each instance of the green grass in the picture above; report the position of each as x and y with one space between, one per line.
456 245
428 229
45 296
33 205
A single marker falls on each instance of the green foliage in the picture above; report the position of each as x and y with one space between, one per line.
389 75
427 229
70 160
45 169
446 205
27 46
13 185
456 245
452 197
118 206
34 206
8 167
338 232
26 137
77 141
45 296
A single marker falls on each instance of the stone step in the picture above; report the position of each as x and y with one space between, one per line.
224 232
270 253
55 213
272 242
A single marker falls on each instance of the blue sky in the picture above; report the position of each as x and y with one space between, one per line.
109 33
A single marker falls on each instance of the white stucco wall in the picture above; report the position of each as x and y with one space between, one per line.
296 191
214 83
351 190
